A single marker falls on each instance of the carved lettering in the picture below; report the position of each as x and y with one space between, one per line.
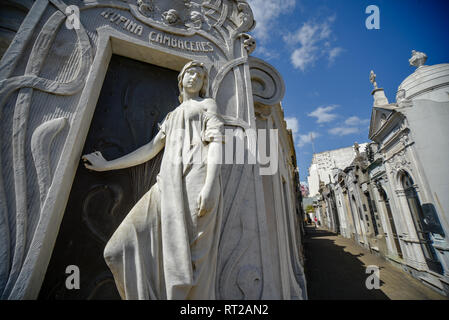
131 26
106 14
114 17
210 46
175 42
122 19
139 30
167 40
162 38
159 38
126 23
152 33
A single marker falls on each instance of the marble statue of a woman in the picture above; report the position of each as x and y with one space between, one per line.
166 247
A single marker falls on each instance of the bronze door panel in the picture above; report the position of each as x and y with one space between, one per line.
135 97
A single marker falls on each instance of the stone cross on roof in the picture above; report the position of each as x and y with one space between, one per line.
372 79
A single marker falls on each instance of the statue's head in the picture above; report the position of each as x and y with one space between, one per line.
190 69
171 16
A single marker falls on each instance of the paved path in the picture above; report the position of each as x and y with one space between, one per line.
335 269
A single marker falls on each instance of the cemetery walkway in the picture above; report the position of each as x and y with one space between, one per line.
335 268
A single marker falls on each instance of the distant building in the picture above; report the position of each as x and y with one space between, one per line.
410 171
392 199
324 162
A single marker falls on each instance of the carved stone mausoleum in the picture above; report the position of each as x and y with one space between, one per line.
99 75
392 199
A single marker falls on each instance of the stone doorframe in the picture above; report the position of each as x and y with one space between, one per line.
109 42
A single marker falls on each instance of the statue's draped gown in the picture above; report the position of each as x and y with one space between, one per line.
162 249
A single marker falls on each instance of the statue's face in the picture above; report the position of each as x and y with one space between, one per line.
193 79
171 17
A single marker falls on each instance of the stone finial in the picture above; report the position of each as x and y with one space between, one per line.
418 59
357 149
378 93
372 79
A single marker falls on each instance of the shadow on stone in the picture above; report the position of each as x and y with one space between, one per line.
333 273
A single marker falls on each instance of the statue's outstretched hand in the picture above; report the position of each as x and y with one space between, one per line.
95 161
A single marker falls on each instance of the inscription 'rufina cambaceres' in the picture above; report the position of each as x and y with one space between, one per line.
170 41
159 37
126 23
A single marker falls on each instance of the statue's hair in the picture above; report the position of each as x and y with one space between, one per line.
204 88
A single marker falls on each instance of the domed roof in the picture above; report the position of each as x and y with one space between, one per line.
425 78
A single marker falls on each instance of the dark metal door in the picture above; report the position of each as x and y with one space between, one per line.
134 98
391 220
416 211
372 214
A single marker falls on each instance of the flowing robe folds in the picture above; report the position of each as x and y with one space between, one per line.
162 249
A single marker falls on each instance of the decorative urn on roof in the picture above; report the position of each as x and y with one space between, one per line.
418 58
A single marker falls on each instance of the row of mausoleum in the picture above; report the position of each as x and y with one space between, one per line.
393 198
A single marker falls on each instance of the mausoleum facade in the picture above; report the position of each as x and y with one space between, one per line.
101 76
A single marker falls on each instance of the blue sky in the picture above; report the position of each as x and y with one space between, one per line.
325 53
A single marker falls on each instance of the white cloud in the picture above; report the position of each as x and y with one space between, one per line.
266 12
267 53
351 125
356 121
302 57
292 123
343 131
307 138
315 41
334 53
323 114
304 35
